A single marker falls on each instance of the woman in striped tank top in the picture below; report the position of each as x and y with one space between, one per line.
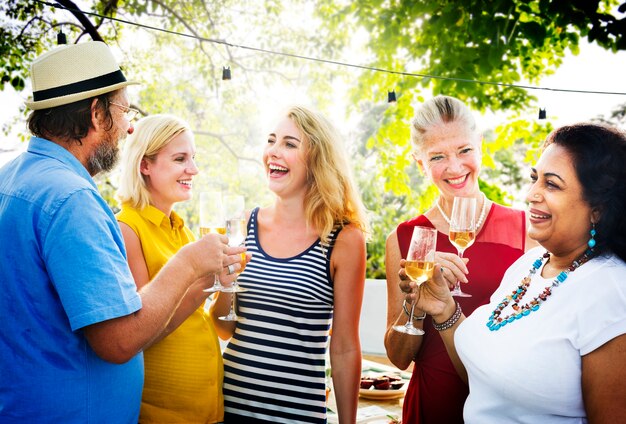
307 273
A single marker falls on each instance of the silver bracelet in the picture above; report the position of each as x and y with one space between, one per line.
408 314
449 323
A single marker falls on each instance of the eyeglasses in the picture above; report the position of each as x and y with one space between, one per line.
129 112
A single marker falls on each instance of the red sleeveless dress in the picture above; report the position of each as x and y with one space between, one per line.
436 394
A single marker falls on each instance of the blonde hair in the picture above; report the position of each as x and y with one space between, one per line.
438 111
151 135
331 198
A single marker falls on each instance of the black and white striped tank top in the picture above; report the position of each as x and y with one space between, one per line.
274 363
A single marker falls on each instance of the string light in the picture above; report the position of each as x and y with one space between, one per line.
542 114
225 73
332 62
61 38
391 96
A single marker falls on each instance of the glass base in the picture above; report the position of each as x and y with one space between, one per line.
234 289
214 288
459 293
231 317
408 329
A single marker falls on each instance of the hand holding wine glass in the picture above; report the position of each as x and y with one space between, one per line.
462 231
420 263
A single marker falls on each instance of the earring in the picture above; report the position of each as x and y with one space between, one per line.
592 241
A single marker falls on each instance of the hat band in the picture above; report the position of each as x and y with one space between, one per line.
81 86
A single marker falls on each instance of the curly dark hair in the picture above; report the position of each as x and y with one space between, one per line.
599 154
71 121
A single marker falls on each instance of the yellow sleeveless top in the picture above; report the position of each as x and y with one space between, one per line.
184 371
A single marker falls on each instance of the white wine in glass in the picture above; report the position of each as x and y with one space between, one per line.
212 220
419 267
236 231
462 231
212 230
419 271
234 206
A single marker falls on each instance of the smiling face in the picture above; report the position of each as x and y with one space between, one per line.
450 156
284 159
560 219
170 173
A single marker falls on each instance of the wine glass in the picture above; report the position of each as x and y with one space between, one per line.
234 206
462 231
420 263
212 220
236 231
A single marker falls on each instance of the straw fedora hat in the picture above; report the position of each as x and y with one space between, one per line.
70 73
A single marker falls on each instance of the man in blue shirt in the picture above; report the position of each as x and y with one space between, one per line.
73 323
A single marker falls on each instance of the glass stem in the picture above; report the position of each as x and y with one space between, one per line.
409 323
457 285
232 304
217 282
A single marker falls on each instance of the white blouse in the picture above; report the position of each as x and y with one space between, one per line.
529 371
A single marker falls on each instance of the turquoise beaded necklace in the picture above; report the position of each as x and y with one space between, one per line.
497 321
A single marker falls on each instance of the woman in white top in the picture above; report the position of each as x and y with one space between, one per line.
550 345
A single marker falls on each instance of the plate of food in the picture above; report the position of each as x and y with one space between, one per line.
382 387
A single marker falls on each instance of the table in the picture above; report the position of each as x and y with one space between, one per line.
372 411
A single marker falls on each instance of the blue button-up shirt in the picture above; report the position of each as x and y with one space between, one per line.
62 267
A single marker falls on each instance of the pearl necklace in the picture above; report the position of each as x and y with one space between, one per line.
481 217
496 321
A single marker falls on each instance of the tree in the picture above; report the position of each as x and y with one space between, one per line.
182 74
453 45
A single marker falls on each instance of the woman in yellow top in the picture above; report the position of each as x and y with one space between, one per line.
183 366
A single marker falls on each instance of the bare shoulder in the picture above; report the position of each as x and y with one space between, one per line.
349 237
128 232
349 257
349 246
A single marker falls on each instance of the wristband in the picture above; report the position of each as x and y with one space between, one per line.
449 323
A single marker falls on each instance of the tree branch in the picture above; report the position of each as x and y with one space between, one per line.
224 143
75 10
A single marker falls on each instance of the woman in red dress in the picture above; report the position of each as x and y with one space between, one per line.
447 148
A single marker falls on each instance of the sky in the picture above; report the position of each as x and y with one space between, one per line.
593 69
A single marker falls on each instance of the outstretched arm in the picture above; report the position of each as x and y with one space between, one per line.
118 340
194 297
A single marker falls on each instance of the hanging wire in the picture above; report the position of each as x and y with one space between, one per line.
328 61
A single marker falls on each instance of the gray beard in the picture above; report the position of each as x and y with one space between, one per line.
103 158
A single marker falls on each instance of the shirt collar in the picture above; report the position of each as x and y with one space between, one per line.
41 146
157 217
